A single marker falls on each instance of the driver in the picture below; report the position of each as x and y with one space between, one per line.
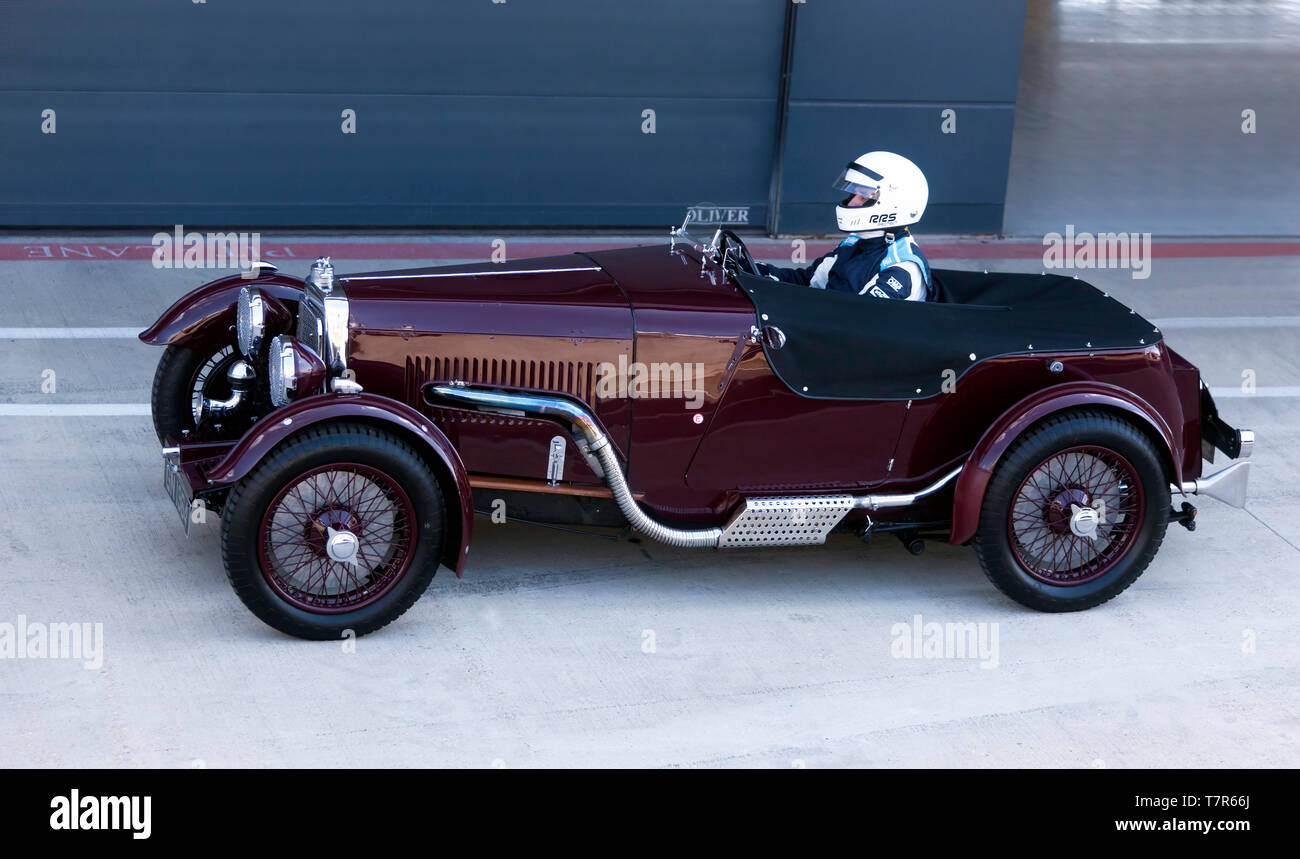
887 192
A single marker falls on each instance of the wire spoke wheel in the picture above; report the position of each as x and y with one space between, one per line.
337 538
336 532
1076 515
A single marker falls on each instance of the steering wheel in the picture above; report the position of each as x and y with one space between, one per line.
730 246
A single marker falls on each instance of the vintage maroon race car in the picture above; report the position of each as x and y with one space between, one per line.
347 429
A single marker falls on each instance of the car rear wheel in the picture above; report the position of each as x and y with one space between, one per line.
1074 513
340 529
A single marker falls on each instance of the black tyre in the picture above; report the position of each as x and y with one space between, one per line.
183 377
339 529
1074 513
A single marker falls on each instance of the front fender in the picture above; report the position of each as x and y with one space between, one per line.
203 317
968 496
264 435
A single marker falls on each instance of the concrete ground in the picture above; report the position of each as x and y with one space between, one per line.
562 650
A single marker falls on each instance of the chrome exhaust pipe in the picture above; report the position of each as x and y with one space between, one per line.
758 522
1228 485
240 376
597 443
907 499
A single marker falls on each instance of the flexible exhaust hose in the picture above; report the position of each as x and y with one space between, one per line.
637 517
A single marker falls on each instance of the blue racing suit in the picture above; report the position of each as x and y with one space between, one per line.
886 266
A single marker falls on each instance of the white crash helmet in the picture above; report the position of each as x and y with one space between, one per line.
896 187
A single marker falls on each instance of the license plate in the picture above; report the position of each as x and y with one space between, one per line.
178 490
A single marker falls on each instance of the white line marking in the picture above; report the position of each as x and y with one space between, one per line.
1227 322
1239 394
69 333
72 410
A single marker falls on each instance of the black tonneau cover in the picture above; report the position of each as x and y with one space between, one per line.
841 346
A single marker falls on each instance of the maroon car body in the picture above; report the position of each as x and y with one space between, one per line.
553 327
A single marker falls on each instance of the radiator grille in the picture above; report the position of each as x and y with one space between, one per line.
311 325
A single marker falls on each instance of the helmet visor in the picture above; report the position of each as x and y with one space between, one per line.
856 179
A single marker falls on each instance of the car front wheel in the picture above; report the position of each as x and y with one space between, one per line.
1074 513
337 531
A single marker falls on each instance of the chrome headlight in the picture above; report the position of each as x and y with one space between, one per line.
293 370
281 371
250 321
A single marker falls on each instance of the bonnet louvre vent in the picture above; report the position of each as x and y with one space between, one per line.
575 378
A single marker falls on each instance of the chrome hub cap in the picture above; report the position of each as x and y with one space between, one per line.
342 546
1084 521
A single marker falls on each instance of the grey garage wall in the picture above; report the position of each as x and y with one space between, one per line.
468 112
862 81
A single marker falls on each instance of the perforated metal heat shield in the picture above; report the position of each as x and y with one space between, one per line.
785 521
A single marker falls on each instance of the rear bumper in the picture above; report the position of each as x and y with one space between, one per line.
1217 434
1228 484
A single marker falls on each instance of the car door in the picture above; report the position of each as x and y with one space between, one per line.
764 437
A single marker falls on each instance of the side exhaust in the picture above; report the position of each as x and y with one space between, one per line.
882 502
597 444
772 521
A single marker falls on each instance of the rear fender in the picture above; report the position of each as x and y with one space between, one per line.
280 424
968 496
204 316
